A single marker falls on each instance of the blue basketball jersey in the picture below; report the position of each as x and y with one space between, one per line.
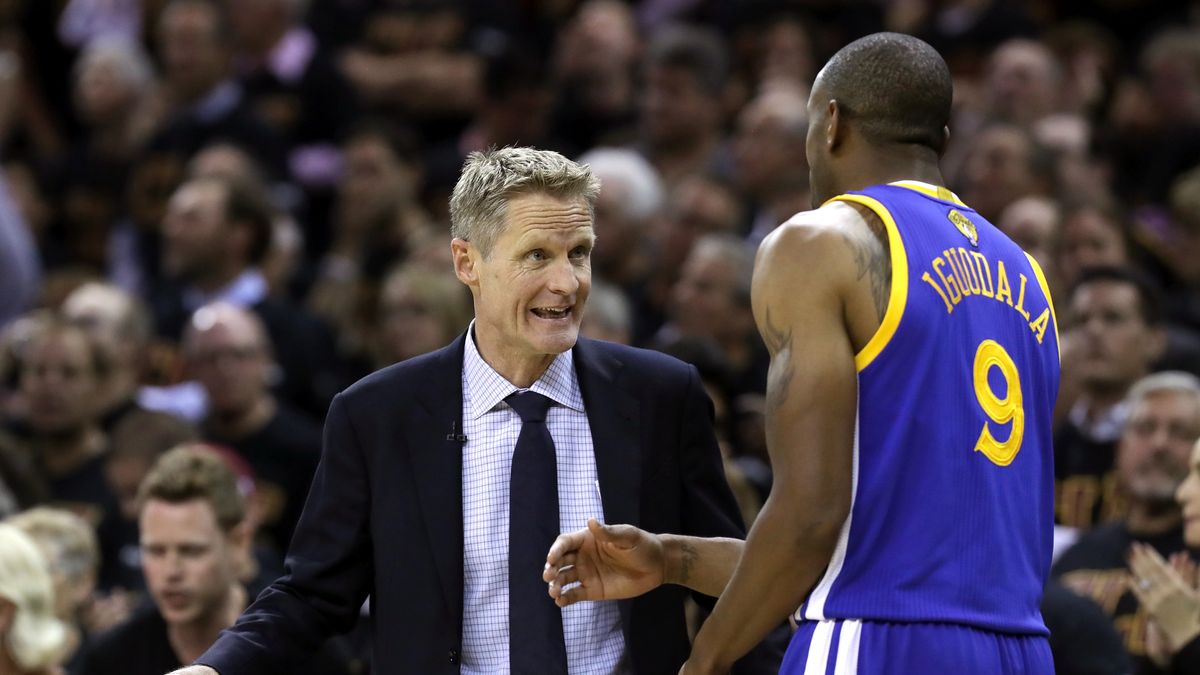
952 504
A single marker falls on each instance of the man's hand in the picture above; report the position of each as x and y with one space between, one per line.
610 562
194 670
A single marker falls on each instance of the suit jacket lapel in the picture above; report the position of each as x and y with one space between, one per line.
612 412
437 467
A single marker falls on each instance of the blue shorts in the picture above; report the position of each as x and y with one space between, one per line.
850 647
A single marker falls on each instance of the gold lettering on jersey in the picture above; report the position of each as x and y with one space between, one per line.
929 280
985 274
964 263
1003 290
964 274
950 284
1021 299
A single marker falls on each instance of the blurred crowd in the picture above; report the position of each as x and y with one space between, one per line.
215 215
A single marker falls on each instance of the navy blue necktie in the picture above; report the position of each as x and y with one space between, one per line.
535 644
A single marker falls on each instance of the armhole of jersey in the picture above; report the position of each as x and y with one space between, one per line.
899 293
1037 271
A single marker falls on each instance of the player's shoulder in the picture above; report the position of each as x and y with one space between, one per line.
816 244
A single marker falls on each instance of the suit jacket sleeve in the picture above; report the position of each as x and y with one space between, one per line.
328 571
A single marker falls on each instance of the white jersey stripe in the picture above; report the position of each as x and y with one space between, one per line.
818 649
847 653
814 608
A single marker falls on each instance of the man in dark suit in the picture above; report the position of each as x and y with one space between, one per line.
411 504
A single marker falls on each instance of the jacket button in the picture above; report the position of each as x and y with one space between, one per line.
454 656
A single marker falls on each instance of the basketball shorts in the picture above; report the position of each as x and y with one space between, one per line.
850 647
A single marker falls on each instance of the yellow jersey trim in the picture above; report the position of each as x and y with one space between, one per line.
935 191
898 297
1037 271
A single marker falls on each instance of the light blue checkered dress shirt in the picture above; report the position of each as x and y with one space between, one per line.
592 630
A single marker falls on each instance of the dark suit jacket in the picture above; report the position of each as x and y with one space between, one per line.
384 516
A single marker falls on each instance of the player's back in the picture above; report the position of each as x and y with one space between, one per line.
952 512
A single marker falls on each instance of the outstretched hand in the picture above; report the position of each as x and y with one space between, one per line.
609 562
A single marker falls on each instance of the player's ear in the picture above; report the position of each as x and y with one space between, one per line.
835 126
945 141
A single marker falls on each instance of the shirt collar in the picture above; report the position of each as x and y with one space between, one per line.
246 290
486 388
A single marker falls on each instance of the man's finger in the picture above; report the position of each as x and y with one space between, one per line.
574 595
551 570
564 544
566 576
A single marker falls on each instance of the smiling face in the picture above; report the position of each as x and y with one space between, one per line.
530 289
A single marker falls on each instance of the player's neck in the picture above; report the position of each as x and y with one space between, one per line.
881 168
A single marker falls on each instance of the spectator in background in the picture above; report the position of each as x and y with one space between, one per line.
609 316
769 157
205 102
1024 82
1152 462
114 96
711 302
699 205
514 109
284 259
1157 118
377 222
1004 164
681 111
420 310
31 637
61 373
1179 250
136 443
293 85
631 199
194 543
1093 235
215 236
1033 223
229 352
410 59
120 326
1114 337
69 546
1170 591
774 47
595 64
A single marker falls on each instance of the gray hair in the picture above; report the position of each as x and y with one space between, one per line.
36 638
490 179
130 59
643 189
1169 381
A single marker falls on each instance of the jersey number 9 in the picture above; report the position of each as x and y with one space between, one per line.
1007 410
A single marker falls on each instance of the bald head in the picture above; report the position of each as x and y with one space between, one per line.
893 88
220 321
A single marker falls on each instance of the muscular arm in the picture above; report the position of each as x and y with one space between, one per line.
803 274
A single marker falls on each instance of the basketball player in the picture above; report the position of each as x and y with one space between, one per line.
914 366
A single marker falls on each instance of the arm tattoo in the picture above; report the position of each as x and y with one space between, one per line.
779 343
687 560
871 255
